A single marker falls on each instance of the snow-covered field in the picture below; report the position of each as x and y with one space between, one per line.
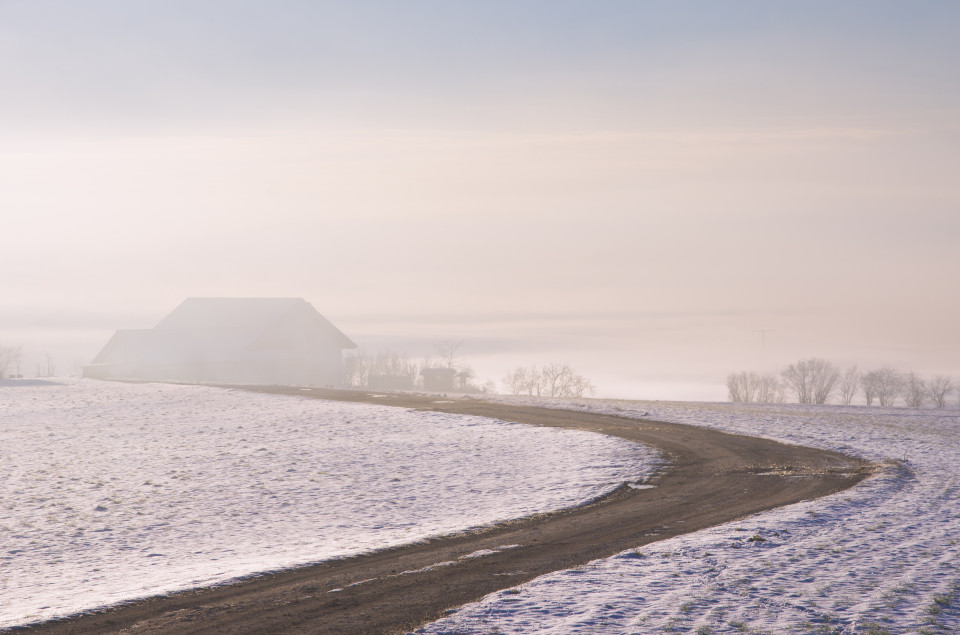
113 491
883 557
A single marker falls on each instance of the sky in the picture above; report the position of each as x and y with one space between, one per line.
657 193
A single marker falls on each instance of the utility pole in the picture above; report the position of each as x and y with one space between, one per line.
763 337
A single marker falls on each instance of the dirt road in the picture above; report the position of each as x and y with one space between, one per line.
712 478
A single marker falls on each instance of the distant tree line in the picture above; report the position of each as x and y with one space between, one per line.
391 370
554 380
817 381
751 387
11 363
359 366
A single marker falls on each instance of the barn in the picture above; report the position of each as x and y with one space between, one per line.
280 341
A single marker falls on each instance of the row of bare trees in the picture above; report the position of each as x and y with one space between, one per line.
887 384
751 387
11 362
360 366
391 370
553 380
817 381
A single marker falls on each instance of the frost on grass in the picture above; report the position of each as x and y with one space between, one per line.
883 557
115 491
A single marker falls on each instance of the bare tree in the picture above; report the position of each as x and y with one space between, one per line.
536 383
556 380
781 392
914 390
868 381
448 353
516 381
825 378
10 356
581 386
938 389
522 380
813 379
356 369
50 368
563 381
890 386
741 387
769 388
797 376
849 383
749 387
735 392
886 384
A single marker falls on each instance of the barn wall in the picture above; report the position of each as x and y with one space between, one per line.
320 371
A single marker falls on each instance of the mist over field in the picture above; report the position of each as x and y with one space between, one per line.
657 194
477 214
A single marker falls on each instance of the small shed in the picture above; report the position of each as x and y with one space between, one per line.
438 379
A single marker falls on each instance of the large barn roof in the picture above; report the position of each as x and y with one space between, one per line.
229 340
247 314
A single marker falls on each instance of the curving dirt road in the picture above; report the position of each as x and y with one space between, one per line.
712 478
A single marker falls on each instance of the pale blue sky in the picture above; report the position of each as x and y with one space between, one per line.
182 63
547 179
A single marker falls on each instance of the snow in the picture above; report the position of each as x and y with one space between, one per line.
882 557
116 491
181 486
